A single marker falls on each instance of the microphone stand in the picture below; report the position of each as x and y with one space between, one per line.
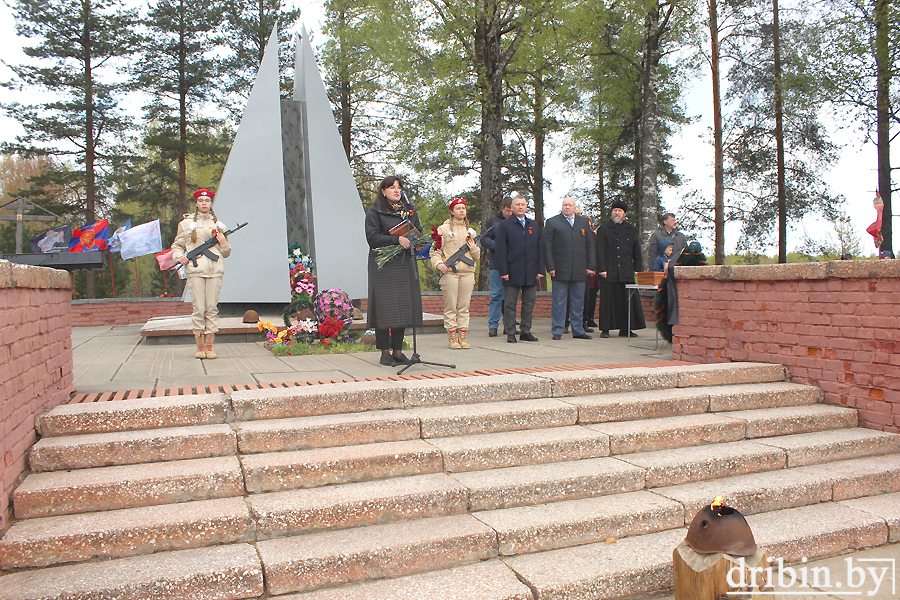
415 359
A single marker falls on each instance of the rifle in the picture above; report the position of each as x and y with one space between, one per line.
203 249
461 253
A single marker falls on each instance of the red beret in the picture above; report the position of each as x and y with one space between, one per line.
455 202
203 192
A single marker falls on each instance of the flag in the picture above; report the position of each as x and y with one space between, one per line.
52 240
165 261
92 237
115 241
141 240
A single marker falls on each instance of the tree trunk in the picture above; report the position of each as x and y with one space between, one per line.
539 137
883 124
779 137
182 119
717 136
490 80
346 114
89 138
649 204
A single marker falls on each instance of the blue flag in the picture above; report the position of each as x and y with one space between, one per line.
115 241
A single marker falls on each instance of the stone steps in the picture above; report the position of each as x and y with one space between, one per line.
309 562
559 484
295 512
489 580
133 415
132 447
110 488
643 564
116 533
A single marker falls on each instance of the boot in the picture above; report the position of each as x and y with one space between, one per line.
462 339
454 343
209 344
201 349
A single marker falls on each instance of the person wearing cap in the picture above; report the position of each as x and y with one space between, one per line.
569 257
205 280
618 259
457 287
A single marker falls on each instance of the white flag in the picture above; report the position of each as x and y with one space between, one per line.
141 240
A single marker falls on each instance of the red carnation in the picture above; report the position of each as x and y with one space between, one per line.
438 241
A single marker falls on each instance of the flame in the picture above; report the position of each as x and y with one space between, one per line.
717 503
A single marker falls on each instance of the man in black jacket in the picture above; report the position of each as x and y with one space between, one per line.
488 241
618 259
570 258
521 265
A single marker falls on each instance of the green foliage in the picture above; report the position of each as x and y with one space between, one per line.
247 27
76 45
318 349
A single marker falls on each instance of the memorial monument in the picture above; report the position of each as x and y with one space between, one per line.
287 175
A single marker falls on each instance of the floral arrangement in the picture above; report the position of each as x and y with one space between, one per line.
327 332
333 303
303 282
330 327
438 239
384 254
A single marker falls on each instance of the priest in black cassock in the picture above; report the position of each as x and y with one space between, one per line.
618 259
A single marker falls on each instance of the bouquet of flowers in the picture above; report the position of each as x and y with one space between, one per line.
386 253
303 282
330 327
333 303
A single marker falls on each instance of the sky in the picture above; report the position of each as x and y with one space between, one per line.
853 176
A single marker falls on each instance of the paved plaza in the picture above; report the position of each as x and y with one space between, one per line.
116 358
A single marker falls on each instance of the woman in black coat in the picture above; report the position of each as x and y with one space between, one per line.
395 301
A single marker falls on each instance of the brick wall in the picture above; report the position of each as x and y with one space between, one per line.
433 302
35 361
835 325
122 311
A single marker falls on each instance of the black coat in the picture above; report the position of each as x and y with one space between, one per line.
618 251
519 252
569 250
394 296
489 241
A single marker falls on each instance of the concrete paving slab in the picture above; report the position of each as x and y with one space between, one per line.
118 359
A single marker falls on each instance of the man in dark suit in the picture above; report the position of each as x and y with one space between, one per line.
570 259
519 260
618 259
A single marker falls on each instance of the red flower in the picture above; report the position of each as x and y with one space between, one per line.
326 341
530 231
438 240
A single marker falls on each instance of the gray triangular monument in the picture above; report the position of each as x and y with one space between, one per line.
288 177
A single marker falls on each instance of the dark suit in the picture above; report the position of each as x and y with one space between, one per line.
619 254
569 251
518 254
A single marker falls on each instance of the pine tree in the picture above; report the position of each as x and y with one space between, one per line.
179 70
78 43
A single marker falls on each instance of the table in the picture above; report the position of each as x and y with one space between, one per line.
632 288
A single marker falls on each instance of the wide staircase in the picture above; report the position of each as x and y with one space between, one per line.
565 485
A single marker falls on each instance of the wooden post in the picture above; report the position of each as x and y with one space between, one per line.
711 576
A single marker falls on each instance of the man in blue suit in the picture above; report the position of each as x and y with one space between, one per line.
521 266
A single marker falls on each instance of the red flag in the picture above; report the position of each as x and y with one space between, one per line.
875 228
165 259
92 237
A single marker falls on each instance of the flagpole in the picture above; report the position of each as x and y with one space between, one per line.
137 284
112 277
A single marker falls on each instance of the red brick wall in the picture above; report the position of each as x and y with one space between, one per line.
433 302
35 361
835 325
122 311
